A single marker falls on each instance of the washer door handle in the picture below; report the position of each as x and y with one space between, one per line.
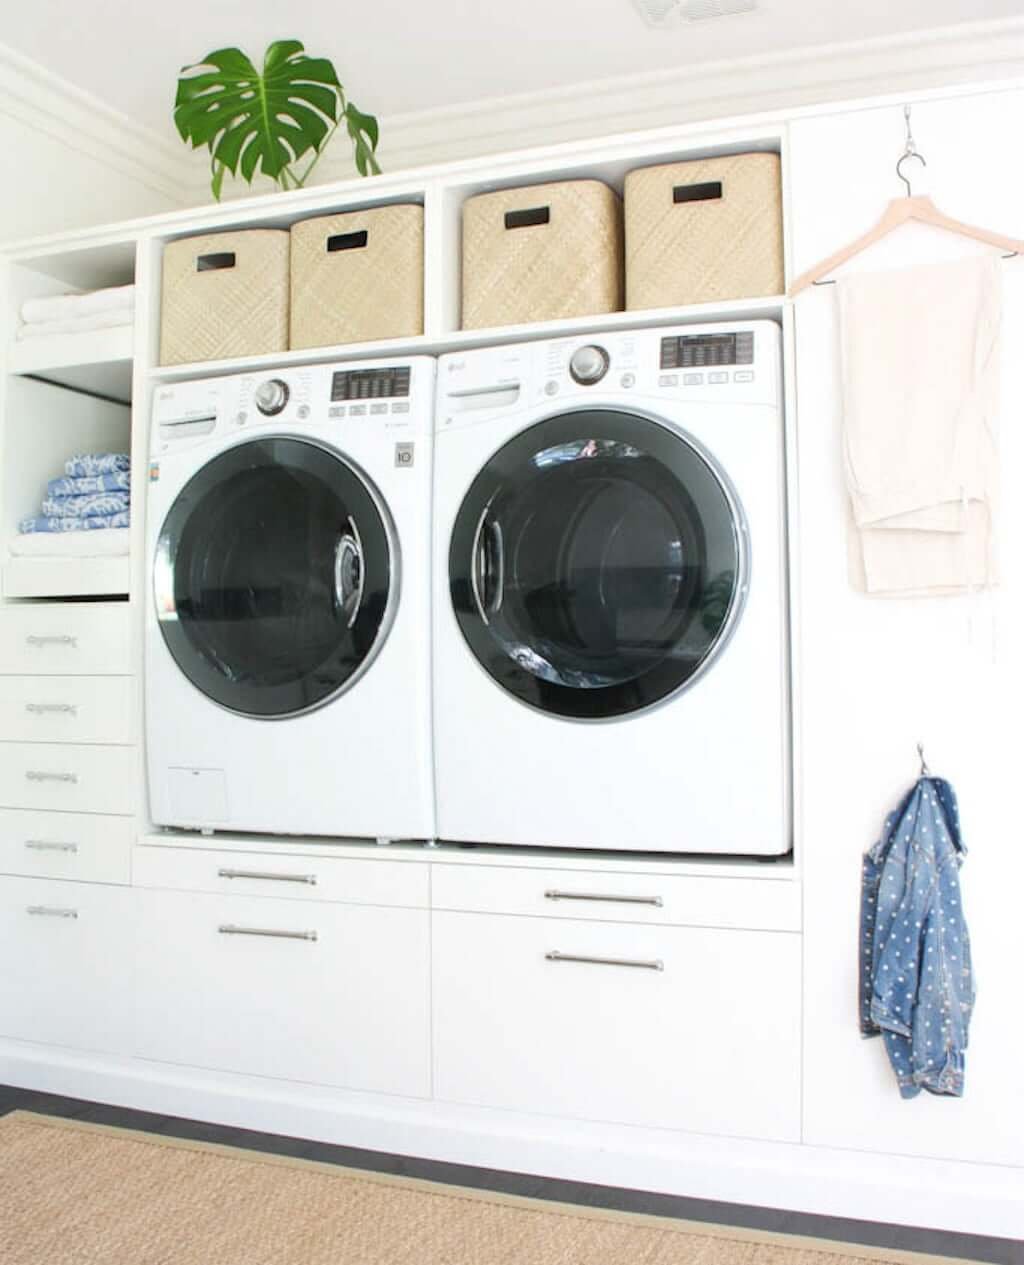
349 572
487 566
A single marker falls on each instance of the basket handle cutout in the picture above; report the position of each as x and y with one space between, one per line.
213 263
347 241
697 192
528 218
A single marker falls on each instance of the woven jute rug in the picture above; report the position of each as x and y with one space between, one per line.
81 1194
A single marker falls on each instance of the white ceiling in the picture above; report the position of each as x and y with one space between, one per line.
397 55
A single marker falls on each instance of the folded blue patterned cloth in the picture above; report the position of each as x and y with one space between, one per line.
68 523
90 463
94 506
88 485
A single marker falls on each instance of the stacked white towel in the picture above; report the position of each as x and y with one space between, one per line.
920 356
76 313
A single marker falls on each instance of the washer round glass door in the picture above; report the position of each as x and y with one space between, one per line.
274 577
597 564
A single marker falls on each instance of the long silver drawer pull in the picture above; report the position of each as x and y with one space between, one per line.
228 929
52 911
266 874
38 709
39 775
555 894
33 639
44 845
655 965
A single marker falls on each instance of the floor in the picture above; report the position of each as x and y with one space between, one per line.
969 1246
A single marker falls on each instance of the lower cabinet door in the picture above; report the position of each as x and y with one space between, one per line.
66 954
666 1027
297 990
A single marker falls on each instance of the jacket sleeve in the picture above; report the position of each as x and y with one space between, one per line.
905 899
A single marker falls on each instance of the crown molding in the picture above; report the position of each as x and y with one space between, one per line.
46 103
917 62
807 79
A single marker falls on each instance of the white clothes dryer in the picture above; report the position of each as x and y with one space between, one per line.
610 611
288 615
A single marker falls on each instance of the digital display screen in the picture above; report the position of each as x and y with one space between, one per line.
369 384
707 351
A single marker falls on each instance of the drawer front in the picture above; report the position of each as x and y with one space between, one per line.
665 1027
674 900
303 991
79 846
68 777
66 949
66 638
276 874
66 709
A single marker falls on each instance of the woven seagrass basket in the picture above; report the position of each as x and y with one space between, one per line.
541 253
704 231
357 276
224 295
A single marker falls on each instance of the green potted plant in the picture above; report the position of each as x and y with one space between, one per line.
268 121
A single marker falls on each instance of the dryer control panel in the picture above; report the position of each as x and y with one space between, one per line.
739 363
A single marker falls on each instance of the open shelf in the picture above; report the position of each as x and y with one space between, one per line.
96 361
45 425
457 340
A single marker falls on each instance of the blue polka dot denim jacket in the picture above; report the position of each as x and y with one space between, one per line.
916 983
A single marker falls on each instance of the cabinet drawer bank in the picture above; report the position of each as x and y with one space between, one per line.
667 899
67 963
70 638
309 991
662 1027
66 709
81 846
297 877
68 777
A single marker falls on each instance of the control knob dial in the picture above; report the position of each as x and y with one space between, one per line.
588 364
271 396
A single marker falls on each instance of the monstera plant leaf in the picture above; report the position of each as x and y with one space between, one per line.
265 121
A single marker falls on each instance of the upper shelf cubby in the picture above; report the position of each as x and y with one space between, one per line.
104 363
91 355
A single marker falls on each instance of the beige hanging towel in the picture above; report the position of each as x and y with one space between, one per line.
920 381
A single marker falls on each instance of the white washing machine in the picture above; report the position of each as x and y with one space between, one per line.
610 613
288 613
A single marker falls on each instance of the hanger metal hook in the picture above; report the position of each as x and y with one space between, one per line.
909 151
925 771
899 170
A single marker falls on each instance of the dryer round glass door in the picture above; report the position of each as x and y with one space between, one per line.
275 577
597 564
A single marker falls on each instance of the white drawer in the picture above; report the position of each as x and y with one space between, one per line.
297 990
66 950
275 873
67 709
66 638
665 1027
69 777
676 900
80 846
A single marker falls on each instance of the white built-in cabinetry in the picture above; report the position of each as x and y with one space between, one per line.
407 999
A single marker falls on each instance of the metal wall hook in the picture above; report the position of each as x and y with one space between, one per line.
925 771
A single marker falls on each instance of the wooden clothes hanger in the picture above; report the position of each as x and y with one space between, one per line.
900 211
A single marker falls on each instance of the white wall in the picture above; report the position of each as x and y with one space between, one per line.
880 674
71 162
